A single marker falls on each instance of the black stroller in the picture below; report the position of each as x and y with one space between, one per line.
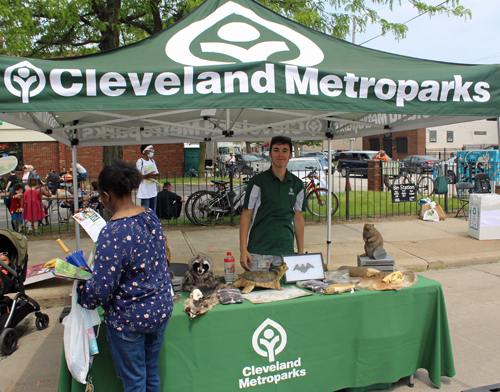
12 276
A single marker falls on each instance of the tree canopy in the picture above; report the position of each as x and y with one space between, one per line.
57 28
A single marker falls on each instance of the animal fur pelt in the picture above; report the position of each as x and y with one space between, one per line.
376 282
195 308
199 275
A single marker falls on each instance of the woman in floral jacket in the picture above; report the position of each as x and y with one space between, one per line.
131 280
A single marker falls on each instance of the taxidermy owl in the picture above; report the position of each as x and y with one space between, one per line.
199 275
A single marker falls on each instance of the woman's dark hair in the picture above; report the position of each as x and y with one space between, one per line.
94 185
18 186
121 178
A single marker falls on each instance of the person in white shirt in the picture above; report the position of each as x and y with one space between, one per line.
147 191
81 175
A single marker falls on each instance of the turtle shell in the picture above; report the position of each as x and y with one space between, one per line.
259 277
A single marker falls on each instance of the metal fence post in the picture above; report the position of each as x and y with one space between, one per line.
347 188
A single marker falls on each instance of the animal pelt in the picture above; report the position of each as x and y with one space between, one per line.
199 275
195 308
376 282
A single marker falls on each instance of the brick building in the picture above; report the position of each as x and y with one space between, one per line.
55 155
44 153
398 145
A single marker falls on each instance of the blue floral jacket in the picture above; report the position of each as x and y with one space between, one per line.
131 279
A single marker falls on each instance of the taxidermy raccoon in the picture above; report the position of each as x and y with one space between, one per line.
199 275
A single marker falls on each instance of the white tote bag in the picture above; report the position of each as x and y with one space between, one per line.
76 338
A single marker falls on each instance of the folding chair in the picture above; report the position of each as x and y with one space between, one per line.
463 192
482 183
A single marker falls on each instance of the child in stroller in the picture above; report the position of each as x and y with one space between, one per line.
13 267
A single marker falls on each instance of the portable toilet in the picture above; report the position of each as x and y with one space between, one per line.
191 158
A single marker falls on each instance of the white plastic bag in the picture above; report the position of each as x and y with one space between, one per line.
431 215
76 338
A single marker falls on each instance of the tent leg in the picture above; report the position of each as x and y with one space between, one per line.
75 195
329 204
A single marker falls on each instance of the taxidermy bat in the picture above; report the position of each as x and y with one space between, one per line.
303 268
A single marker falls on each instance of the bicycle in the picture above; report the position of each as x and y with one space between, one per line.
191 172
210 207
317 198
219 185
424 184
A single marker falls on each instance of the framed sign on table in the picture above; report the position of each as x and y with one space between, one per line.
304 267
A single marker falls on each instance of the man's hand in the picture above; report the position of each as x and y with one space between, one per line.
245 258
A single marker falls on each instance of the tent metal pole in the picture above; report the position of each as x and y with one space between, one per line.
75 195
329 204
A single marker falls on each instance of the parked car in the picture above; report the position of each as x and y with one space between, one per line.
492 147
356 161
301 168
419 163
248 164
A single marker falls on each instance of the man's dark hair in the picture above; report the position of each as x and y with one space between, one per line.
121 178
167 184
281 140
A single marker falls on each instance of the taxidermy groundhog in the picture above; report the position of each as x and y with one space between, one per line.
200 275
374 244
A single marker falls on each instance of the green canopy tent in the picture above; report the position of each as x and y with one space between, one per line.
236 69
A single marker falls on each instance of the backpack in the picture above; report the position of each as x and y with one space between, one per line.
441 183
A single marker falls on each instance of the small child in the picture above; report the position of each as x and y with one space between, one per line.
32 208
5 284
16 207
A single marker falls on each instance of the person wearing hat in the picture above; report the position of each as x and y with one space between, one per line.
147 191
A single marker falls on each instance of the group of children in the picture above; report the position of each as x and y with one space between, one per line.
27 206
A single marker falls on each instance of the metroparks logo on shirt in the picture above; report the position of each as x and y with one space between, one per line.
269 340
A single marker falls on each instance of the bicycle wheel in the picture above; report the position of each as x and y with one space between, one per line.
208 208
317 203
425 186
189 201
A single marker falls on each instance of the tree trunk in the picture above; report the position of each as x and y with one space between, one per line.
108 12
201 163
110 153
248 147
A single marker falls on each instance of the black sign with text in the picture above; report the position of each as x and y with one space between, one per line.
404 192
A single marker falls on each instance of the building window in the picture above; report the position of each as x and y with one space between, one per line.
480 133
432 136
402 145
375 144
449 136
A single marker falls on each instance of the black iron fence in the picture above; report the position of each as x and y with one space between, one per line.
211 200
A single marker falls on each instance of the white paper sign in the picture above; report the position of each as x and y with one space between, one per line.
474 216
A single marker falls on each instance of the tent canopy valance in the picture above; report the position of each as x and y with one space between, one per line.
235 68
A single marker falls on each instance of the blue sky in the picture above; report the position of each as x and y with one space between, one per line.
443 38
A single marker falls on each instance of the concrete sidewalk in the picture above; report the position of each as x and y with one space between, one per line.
472 293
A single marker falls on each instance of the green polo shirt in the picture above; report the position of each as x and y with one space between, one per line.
274 203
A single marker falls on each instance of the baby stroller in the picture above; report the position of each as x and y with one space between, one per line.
12 312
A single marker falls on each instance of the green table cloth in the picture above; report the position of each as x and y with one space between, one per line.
316 343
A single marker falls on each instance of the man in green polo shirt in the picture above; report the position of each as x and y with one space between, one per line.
272 212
